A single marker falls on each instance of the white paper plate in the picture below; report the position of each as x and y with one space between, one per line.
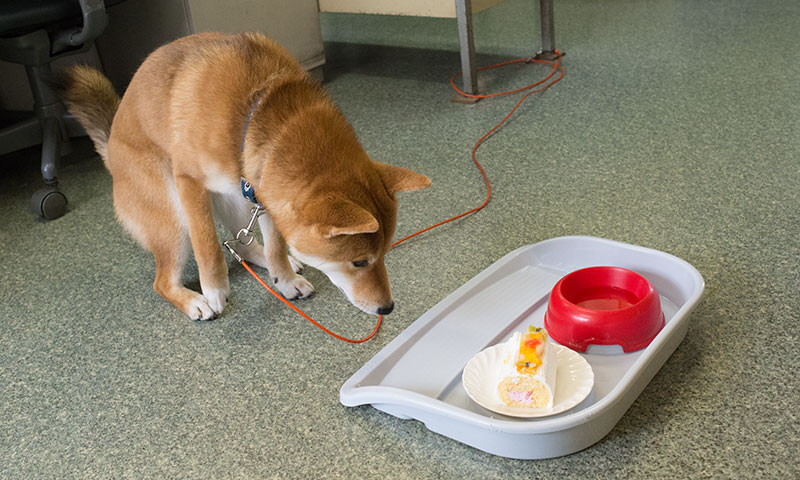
574 380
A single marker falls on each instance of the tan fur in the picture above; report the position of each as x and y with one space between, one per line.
173 151
93 101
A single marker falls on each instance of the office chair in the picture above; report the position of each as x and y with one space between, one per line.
34 33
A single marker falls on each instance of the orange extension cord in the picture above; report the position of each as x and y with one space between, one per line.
556 67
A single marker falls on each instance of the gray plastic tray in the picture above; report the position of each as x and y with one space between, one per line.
418 374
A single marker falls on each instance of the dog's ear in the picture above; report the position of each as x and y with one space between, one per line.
345 218
399 179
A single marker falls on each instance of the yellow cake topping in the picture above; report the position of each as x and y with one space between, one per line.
531 350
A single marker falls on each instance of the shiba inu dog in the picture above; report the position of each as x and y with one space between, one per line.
208 110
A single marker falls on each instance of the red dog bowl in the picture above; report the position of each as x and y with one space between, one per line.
604 306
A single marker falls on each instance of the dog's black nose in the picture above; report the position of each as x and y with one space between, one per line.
386 310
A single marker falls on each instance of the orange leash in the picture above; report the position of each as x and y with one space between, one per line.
556 67
302 314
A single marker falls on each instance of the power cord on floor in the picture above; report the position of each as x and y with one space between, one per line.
545 84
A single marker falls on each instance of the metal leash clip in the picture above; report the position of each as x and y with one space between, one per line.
245 236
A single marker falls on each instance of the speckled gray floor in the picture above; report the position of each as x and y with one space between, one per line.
677 127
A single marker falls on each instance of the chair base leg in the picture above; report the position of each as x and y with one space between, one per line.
49 203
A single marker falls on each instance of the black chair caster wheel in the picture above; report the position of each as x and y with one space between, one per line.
49 203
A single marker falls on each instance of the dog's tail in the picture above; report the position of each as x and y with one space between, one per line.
91 98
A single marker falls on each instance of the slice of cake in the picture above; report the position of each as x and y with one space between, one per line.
528 374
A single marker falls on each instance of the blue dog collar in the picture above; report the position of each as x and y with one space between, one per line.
247 123
247 188
249 192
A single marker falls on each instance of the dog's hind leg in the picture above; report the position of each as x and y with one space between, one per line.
147 205
170 256
296 264
159 229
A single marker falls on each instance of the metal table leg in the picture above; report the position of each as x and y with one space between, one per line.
467 44
548 34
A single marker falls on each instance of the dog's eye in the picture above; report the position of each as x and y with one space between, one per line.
361 263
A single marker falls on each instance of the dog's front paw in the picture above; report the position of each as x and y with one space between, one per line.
198 309
294 287
216 298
